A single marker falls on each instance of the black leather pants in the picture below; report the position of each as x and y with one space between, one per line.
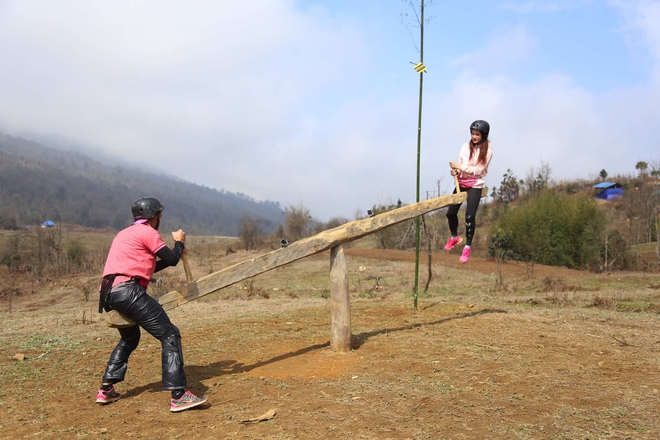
132 300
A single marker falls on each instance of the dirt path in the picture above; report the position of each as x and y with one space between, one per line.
513 270
471 363
451 370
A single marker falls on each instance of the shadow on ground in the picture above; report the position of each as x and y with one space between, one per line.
196 374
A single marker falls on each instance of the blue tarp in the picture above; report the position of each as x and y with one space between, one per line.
604 185
610 193
48 224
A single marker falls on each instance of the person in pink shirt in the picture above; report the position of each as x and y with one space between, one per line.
471 169
136 253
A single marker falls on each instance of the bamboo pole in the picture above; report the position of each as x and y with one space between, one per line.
419 152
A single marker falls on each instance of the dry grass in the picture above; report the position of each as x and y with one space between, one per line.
566 355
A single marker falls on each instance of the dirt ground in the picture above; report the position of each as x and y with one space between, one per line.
566 355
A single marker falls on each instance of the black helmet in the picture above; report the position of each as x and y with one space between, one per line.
146 208
481 126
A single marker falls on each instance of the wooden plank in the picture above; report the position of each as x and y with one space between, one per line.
340 304
295 251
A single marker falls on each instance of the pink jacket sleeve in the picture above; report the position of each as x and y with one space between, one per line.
470 168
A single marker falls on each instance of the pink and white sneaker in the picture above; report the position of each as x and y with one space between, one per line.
187 401
466 255
453 241
110 396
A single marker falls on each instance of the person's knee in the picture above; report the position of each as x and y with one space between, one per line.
128 346
172 338
172 350
129 343
469 219
171 342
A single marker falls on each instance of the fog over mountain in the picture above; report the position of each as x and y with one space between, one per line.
38 182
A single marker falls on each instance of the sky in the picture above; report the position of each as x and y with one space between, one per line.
315 102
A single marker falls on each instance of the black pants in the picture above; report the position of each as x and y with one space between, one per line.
131 299
473 199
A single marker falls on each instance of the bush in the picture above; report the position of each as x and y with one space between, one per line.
12 261
7 222
250 232
553 229
615 253
76 252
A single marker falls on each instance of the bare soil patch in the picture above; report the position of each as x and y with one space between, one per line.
475 361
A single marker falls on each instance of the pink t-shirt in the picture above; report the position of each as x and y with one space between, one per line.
133 253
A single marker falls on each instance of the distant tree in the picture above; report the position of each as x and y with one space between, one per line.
642 207
509 187
499 246
11 257
36 251
642 166
336 221
296 219
121 220
250 232
538 180
331 224
603 174
7 221
55 243
655 168
615 252
655 172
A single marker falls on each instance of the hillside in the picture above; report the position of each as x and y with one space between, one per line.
38 183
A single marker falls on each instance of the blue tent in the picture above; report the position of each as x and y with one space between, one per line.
609 190
48 224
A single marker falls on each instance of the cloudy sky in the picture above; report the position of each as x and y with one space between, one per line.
315 101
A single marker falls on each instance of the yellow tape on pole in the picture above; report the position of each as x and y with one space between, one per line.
419 67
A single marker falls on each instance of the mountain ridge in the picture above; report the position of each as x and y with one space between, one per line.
38 182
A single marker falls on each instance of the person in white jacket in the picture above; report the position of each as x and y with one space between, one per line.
471 169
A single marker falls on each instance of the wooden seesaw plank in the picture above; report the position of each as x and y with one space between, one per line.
295 251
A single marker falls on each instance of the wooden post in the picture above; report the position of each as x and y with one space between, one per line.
340 330
458 187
